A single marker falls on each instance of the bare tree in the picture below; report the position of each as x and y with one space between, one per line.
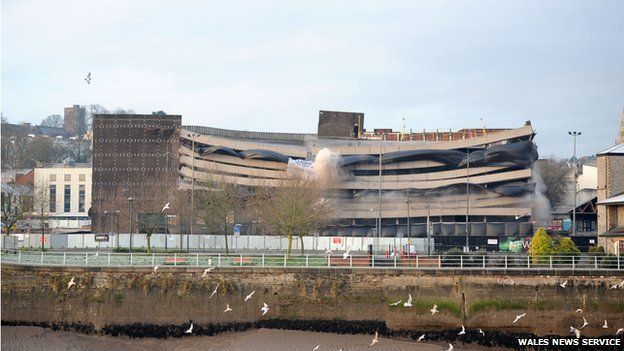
16 202
149 212
218 204
556 174
42 206
296 207
53 121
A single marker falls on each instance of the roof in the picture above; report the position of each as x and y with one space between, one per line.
615 200
614 150
617 231
16 189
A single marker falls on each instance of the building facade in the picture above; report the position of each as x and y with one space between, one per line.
74 120
67 190
135 165
611 199
390 188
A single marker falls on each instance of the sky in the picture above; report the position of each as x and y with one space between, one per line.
272 65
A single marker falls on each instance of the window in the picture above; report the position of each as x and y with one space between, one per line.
53 177
81 198
68 177
67 199
82 177
52 198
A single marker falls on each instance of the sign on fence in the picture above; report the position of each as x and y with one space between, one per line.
101 237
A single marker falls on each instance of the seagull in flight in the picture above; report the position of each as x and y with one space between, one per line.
434 310
214 291
518 317
563 285
346 254
621 284
249 296
375 339
409 301
88 78
421 338
97 253
227 308
463 331
265 308
190 329
155 268
166 207
605 326
329 252
450 348
619 331
206 271
71 283
396 303
584 323
578 310
614 286
481 332
316 348
576 332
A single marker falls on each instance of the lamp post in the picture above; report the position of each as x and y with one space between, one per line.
193 136
130 220
467 248
428 229
574 134
381 138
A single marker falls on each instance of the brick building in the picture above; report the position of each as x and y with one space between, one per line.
135 168
74 120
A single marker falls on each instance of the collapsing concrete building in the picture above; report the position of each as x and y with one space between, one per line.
391 184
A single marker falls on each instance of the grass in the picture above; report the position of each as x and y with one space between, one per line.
497 304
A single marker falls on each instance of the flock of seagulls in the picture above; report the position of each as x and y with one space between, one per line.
408 303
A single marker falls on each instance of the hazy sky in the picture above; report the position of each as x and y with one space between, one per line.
270 66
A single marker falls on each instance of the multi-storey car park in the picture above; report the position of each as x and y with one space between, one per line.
399 181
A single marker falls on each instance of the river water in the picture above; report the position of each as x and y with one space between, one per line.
35 338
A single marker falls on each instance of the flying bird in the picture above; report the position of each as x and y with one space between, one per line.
584 323
264 309
155 268
375 339
190 329
576 332
206 271
563 285
227 308
329 252
409 301
614 286
316 348
346 254
434 310
249 296
450 348
421 338
396 303
518 318
578 310
619 331
97 253
481 332
605 326
71 283
166 207
463 331
88 78
214 291
621 284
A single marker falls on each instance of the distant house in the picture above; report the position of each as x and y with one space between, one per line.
611 199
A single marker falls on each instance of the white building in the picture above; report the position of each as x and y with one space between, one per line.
67 189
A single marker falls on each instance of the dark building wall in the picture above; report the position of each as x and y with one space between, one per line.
334 124
74 120
134 156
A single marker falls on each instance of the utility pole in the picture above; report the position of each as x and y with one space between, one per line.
574 134
193 136
379 217
130 219
467 248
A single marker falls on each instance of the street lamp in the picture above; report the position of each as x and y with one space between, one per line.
193 136
467 248
574 134
129 219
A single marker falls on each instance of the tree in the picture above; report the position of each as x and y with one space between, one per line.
555 175
218 204
296 206
149 212
565 246
53 121
91 110
41 206
15 204
541 246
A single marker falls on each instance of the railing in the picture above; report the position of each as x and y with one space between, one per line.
450 262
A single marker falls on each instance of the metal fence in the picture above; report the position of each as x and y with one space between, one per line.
466 262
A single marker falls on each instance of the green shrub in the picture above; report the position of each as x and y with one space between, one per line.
567 247
596 250
541 246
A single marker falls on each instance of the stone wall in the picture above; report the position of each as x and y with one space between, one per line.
116 296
